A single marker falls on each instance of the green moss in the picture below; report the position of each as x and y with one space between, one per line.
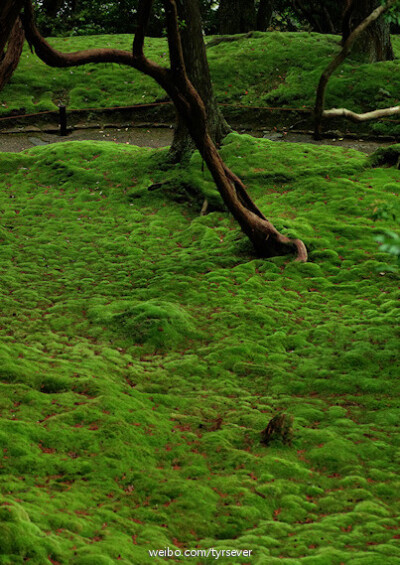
155 323
117 437
95 559
279 76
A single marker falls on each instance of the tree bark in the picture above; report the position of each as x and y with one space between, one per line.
236 16
264 15
10 60
266 240
194 52
9 12
374 43
338 60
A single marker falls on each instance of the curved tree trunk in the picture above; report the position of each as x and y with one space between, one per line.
194 52
266 240
374 43
236 16
10 60
9 12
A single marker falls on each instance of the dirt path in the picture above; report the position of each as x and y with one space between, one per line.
148 137
155 137
359 144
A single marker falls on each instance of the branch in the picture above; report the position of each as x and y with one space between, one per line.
176 57
338 60
144 11
185 97
55 58
354 117
264 236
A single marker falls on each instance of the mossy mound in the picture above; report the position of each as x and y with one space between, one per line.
118 438
279 76
156 323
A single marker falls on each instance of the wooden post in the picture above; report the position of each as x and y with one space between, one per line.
63 120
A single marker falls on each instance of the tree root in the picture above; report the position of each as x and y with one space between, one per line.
266 239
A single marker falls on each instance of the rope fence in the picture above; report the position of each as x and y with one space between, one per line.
75 110
62 111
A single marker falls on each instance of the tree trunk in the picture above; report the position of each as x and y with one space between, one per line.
264 236
319 111
236 16
374 43
264 15
10 60
9 12
51 7
194 52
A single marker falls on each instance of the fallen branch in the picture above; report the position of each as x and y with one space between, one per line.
354 117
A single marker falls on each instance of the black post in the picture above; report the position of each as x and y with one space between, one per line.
63 120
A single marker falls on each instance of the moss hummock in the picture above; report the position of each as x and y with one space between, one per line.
265 70
144 349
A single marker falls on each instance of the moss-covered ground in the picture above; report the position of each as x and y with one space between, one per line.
268 69
144 348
